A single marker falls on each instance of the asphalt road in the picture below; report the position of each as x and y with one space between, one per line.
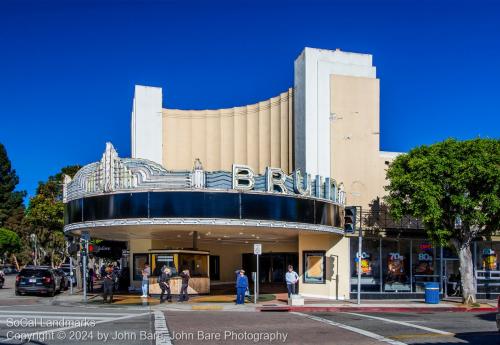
46 320
336 328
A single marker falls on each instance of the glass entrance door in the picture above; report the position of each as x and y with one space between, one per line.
451 275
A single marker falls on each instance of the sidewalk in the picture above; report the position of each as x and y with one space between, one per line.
226 303
386 305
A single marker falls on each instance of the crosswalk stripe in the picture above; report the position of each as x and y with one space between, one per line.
162 335
428 329
35 334
352 329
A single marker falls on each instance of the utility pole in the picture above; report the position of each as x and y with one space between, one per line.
85 238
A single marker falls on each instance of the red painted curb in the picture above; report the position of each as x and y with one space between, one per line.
311 309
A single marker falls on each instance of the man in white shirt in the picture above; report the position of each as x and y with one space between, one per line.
291 278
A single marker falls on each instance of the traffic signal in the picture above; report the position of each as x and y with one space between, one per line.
83 249
350 219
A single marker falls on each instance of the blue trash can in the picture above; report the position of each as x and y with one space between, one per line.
432 293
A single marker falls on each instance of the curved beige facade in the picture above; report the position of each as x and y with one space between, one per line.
257 135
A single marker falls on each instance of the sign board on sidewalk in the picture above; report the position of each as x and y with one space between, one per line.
257 249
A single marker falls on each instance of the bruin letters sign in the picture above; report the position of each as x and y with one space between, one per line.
243 179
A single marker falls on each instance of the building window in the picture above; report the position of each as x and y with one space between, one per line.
314 267
139 261
371 276
160 260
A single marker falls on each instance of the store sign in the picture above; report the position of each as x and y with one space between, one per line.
244 177
114 174
425 246
257 249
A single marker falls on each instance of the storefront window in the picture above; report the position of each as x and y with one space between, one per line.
370 265
197 264
160 260
395 265
487 258
314 267
139 261
425 264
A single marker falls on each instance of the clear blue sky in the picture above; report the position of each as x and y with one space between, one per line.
68 69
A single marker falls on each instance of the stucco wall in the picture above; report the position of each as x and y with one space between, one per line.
356 159
337 262
258 135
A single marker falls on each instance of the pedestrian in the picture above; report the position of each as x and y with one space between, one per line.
107 285
90 280
241 287
164 282
146 272
291 278
184 286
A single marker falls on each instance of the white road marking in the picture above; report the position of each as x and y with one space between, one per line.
428 329
162 335
352 329
41 312
43 320
35 335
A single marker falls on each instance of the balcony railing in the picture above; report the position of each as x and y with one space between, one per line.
383 220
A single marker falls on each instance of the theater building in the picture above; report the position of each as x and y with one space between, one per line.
203 186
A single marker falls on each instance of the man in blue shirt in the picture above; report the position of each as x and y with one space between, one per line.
241 287
291 278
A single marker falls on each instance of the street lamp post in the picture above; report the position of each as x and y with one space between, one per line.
35 254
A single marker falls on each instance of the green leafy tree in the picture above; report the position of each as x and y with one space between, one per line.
10 242
11 201
454 188
45 215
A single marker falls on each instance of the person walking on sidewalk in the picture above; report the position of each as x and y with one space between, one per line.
291 278
184 286
146 272
164 282
241 287
107 285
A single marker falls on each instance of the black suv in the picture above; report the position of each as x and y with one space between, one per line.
38 280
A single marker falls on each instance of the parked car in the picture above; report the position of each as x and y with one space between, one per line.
64 278
498 314
66 270
42 280
10 269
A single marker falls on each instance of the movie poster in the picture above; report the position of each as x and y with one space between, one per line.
425 260
366 264
396 268
489 260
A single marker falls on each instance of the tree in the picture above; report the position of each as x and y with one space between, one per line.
45 215
454 188
10 242
11 201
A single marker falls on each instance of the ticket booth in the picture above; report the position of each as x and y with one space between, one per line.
177 260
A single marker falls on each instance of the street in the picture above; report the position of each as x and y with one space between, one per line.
59 320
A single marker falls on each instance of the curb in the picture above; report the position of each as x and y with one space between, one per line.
311 309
